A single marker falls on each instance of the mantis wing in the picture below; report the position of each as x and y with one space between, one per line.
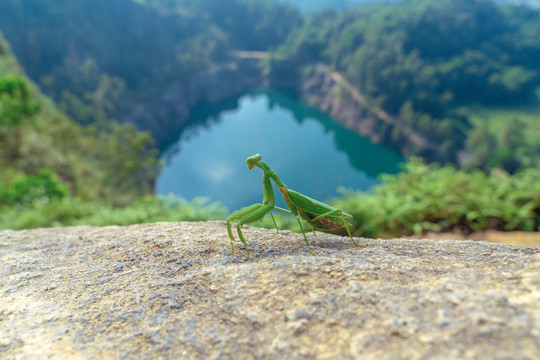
319 215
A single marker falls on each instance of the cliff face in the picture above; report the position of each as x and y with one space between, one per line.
170 112
171 290
334 95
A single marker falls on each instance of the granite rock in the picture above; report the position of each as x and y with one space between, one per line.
171 290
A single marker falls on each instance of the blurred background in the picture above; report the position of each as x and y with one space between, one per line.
415 116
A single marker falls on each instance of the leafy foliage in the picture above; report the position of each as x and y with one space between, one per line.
41 147
428 52
29 190
433 198
504 138
16 108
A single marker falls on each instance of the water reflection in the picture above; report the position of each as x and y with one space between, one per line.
311 152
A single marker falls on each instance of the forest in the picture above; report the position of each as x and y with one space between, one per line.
432 64
462 73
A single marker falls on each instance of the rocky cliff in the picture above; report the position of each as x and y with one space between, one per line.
333 94
171 290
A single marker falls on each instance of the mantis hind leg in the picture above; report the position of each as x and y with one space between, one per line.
299 223
342 218
343 221
305 238
274 220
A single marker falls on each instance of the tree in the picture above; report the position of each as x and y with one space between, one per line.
16 111
481 145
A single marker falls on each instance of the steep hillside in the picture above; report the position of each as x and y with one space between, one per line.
40 145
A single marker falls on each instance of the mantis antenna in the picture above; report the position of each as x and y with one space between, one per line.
256 141
239 143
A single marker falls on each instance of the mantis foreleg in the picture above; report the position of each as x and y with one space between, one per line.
253 213
237 216
248 215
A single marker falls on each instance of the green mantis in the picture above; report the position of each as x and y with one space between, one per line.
320 216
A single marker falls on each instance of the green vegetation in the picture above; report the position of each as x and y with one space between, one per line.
462 73
30 190
117 167
44 155
54 172
433 198
425 61
69 211
504 137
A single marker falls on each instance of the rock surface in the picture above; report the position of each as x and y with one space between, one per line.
170 290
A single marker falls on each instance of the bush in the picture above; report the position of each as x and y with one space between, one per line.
29 190
433 198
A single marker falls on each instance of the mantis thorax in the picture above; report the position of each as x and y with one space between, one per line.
271 174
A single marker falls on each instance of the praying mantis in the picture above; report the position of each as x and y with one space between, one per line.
320 216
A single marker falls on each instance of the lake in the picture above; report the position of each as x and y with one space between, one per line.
311 152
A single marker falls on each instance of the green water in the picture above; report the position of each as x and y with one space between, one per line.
311 152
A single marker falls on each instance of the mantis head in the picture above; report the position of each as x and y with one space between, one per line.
253 161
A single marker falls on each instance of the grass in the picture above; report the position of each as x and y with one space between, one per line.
71 211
